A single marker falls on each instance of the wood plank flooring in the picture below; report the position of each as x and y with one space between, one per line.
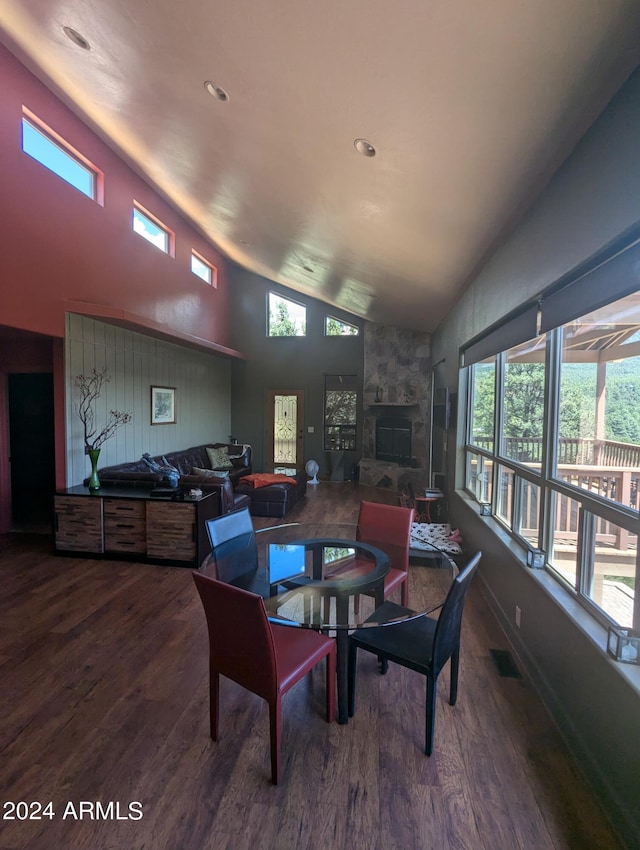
103 668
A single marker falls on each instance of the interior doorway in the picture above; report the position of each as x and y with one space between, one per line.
32 451
285 431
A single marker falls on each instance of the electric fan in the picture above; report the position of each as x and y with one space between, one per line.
312 470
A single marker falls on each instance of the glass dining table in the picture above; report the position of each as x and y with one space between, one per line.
311 574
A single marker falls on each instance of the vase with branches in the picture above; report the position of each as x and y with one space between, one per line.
90 387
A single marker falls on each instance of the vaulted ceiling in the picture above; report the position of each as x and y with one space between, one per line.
470 107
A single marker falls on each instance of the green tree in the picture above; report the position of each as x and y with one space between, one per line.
484 400
340 407
577 402
334 327
280 322
524 400
622 417
577 410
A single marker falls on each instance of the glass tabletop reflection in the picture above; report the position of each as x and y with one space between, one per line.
311 574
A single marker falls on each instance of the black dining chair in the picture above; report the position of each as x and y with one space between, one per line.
234 554
234 550
423 644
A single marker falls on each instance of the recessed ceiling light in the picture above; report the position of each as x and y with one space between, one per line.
216 91
76 38
364 147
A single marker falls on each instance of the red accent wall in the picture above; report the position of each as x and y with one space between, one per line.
58 245
60 250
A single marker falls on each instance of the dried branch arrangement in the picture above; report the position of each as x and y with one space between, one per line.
90 387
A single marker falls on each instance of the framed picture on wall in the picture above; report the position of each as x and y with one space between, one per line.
163 405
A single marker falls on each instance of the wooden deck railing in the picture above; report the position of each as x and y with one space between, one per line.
570 450
618 485
602 467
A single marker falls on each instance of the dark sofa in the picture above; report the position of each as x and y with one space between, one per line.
138 474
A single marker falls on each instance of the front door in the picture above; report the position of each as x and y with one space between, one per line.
285 438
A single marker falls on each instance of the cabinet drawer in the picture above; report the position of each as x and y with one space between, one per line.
171 531
78 524
125 526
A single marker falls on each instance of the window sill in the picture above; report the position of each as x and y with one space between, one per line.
582 619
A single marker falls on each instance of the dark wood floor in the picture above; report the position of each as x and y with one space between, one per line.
104 698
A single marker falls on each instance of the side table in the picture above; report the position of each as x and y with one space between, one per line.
423 504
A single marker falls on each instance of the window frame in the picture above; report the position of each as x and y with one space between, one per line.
273 293
347 432
213 271
328 317
143 212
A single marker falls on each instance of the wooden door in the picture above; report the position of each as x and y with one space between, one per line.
285 433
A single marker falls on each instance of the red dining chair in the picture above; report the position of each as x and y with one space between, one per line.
388 527
266 659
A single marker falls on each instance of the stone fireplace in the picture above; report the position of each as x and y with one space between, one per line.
397 404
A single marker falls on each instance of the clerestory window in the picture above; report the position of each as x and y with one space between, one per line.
49 149
152 229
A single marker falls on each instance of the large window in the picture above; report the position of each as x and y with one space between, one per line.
286 318
553 446
340 411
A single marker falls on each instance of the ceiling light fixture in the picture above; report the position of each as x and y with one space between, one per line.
76 38
364 147
216 91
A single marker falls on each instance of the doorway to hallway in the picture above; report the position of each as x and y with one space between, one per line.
31 451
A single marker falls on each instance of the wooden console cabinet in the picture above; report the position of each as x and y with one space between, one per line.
78 524
127 523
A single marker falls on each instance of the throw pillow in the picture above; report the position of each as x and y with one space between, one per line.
219 457
210 473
